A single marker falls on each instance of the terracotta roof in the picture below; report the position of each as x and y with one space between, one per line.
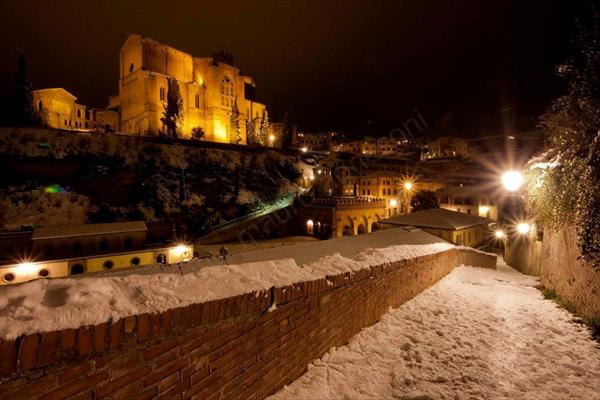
61 231
437 218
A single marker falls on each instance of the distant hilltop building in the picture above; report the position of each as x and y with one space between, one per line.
209 89
57 108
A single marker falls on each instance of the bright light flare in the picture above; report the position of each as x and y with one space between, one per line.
408 185
27 268
523 228
393 203
271 138
304 149
512 180
499 234
483 209
180 249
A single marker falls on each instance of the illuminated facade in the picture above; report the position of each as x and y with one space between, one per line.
57 108
209 87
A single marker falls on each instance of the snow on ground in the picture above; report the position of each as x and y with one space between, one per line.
477 334
54 304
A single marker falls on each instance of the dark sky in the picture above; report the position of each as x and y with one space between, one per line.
470 67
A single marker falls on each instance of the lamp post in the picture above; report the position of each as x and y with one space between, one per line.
407 189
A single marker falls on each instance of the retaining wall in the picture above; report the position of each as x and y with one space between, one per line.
574 281
243 347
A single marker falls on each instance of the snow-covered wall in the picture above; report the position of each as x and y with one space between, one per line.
249 344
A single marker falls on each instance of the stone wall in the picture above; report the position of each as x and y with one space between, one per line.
246 347
525 255
574 280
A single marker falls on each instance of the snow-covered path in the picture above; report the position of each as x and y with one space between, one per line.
477 334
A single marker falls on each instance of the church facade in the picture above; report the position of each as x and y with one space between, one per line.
213 91
209 89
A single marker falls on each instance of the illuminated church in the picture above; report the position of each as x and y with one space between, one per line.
209 88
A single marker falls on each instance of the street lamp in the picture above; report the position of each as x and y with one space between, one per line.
393 203
304 149
523 228
512 180
499 234
271 138
408 185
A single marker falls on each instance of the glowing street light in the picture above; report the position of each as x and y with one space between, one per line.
271 138
304 149
523 228
408 185
512 180
393 203
499 234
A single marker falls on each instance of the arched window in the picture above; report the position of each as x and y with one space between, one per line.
131 67
78 113
226 91
77 269
40 105
162 93
197 100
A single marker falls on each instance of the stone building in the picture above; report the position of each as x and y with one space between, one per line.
57 108
473 200
209 87
458 228
341 216
445 147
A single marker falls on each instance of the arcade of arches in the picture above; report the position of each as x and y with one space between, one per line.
337 217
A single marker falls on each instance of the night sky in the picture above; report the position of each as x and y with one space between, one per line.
471 68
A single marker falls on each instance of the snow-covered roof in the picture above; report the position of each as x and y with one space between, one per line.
62 231
438 218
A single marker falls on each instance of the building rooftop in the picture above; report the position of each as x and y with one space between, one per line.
437 218
63 231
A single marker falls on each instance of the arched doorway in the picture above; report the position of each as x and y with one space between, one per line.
362 229
374 226
310 227
347 231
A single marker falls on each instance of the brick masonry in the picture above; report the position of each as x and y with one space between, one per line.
233 348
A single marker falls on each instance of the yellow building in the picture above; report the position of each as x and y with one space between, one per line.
395 189
341 216
458 228
209 87
57 108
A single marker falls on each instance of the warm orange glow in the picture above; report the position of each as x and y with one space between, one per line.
408 185
220 133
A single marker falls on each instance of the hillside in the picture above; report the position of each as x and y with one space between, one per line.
58 177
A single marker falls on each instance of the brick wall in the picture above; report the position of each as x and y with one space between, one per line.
234 348
574 281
